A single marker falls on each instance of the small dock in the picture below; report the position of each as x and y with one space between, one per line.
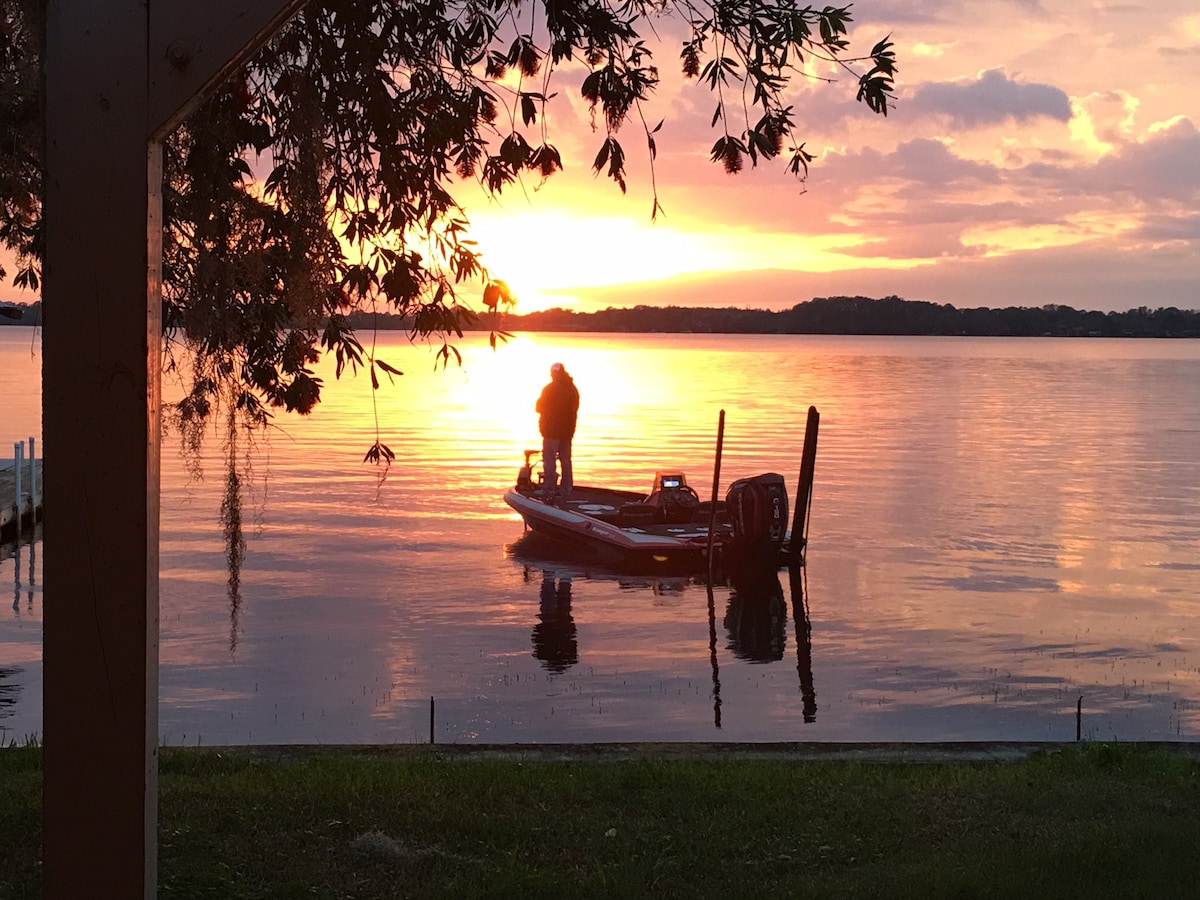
20 493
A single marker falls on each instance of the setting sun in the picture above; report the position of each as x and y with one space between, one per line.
540 254
545 256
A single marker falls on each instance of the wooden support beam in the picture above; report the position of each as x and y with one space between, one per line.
108 104
195 46
100 420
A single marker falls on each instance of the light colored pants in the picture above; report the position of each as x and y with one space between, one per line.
555 450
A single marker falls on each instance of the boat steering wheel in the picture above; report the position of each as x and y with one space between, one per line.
678 505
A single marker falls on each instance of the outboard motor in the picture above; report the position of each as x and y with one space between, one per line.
758 511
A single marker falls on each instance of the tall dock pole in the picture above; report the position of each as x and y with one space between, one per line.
33 494
18 452
712 513
808 465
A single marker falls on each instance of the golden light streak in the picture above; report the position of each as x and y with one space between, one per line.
496 390
1167 125
920 48
1100 121
1077 229
543 255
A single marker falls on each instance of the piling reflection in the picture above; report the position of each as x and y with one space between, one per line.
17 579
798 583
553 637
17 552
712 657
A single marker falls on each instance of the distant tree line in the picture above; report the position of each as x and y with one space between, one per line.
856 315
821 315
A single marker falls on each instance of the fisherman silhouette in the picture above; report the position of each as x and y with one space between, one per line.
557 408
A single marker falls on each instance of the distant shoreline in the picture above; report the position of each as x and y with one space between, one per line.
860 316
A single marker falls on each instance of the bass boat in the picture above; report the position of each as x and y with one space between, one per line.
667 529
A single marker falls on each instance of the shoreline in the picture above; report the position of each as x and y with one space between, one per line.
870 752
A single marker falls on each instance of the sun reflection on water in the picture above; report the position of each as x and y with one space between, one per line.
999 528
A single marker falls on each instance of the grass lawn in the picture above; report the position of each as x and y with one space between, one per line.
1099 821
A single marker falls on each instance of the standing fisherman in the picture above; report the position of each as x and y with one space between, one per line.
557 409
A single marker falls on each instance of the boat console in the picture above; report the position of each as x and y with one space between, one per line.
673 501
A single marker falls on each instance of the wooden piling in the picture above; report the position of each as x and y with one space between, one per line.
712 513
33 480
18 467
808 464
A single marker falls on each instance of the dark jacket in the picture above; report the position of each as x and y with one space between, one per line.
558 406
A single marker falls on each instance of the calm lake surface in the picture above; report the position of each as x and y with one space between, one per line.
999 527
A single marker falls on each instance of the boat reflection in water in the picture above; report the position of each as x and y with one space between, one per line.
554 634
755 619
539 553
756 624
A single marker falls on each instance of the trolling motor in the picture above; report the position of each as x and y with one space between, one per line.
525 473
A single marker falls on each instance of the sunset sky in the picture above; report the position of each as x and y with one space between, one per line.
1036 153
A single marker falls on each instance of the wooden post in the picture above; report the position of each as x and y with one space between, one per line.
18 465
118 75
712 513
33 485
712 611
808 464
100 387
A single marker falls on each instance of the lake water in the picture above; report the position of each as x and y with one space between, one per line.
999 527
